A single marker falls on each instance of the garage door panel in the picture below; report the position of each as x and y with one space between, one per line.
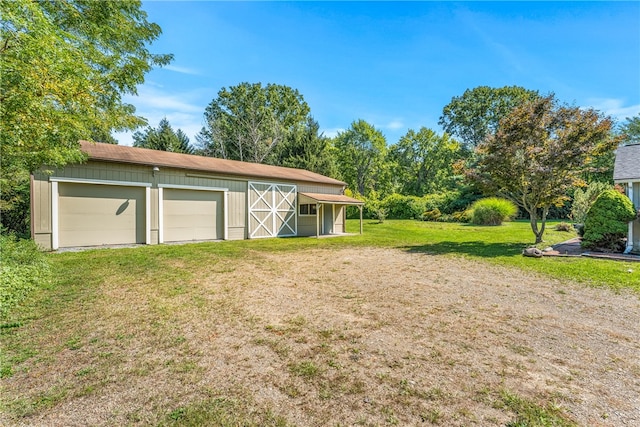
93 215
192 215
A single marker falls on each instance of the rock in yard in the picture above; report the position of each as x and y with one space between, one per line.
532 252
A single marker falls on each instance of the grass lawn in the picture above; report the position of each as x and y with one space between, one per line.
246 333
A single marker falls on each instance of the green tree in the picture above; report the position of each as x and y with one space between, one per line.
423 162
248 121
65 66
308 149
539 152
631 130
163 138
361 156
477 113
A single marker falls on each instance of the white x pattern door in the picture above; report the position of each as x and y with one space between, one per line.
272 210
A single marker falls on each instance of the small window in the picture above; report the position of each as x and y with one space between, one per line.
308 209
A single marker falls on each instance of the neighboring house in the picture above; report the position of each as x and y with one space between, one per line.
627 172
127 195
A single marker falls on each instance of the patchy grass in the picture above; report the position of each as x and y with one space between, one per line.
300 331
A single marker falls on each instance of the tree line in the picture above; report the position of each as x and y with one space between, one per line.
66 66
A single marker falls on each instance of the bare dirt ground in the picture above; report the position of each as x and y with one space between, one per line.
350 337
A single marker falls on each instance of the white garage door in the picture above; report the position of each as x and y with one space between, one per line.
272 210
192 215
91 214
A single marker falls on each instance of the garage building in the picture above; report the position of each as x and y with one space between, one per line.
128 195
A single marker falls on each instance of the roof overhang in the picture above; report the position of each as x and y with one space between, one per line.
336 199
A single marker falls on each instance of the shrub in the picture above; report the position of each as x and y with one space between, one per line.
606 224
583 199
563 226
431 215
23 269
492 211
403 207
380 214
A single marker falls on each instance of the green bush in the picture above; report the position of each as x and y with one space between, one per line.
492 211
23 269
403 207
606 224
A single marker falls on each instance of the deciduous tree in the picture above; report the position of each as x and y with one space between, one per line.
65 66
248 121
539 152
361 154
631 130
476 114
423 162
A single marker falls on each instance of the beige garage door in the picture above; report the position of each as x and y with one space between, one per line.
192 215
92 214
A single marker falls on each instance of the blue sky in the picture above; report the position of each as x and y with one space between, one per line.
393 64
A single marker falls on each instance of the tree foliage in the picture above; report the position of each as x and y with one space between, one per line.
248 121
539 152
65 66
477 113
630 130
584 198
423 162
361 154
163 138
308 149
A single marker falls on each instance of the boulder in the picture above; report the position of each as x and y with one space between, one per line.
532 252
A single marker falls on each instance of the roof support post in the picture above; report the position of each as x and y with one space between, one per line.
629 247
360 219
317 220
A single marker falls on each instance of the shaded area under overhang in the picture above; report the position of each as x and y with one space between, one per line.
333 199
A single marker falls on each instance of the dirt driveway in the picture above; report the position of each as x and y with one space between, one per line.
374 337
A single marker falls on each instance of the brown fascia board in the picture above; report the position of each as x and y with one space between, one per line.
144 156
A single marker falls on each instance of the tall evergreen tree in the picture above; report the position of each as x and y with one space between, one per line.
309 149
163 138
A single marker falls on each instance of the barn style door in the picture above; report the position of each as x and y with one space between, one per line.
272 210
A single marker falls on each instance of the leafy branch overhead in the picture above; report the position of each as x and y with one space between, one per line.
65 66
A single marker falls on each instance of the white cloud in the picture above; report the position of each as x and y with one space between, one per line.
181 109
182 70
614 108
152 98
395 125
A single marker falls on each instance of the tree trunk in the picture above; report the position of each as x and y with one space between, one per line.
533 219
533 215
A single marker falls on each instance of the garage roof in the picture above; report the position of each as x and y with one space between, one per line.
144 156
333 198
